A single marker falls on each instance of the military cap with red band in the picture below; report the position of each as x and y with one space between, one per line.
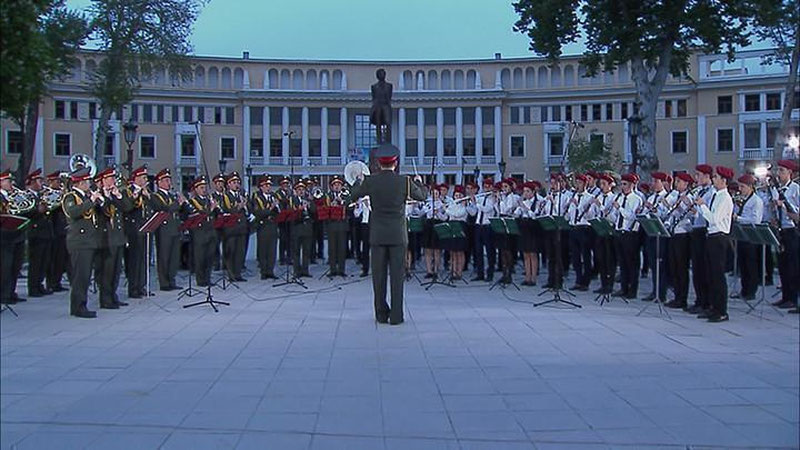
142 170
387 154
265 180
336 179
79 175
33 175
165 173
54 176
199 182
6 175
234 176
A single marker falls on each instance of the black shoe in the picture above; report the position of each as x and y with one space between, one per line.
119 303
382 319
548 286
35 294
581 288
364 274
619 293
705 315
599 291
718 318
734 295
9 301
694 309
263 276
85 314
477 278
428 276
134 295
202 284
395 322
109 306
241 279
674 304
58 288
489 278
748 297
630 297
305 275
794 311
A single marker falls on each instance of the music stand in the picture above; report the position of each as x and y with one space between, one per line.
444 230
557 224
150 226
738 234
414 225
762 234
603 230
209 300
221 222
192 222
654 227
288 216
506 226
10 222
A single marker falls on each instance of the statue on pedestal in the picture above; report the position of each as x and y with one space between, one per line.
381 113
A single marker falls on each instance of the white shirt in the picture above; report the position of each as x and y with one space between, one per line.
486 209
456 211
558 203
530 209
751 212
363 209
680 220
719 214
657 206
578 211
508 204
705 193
791 192
604 210
628 205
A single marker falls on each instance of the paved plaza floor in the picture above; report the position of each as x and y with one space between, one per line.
469 369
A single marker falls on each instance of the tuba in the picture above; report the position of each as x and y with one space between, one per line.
353 170
82 160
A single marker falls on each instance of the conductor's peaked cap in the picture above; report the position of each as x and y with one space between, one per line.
387 154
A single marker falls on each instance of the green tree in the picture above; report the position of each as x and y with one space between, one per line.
594 155
38 44
778 22
139 39
656 37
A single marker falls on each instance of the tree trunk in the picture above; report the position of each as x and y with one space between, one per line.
100 139
28 127
648 89
788 104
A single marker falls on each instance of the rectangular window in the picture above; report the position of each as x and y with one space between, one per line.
725 140
752 102
724 104
430 116
584 113
545 117
469 116
201 114
92 110
568 113
60 109
62 144
597 139
188 115
227 148
773 128
449 116
796 104
624 108
147 147
773 101
555 115
256 115
295 148
518 146
668 108
596 112
109 148
276 116
295 116
276 148
314 116
449 146
147 113
679 142
187 145
366 134
315 147
14 142
469 147
411 147
609 111
514 114
555 144
488 147
527 115
488 116
681 108
430 147
73 110
229 115
411 116
134 112
334 148
257 147
752 135
175 116
160 111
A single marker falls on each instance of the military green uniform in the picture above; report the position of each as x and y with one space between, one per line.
218 197
265 208
204 239
337 235
168 241
137 211
84 237
12 243
388 192
40 241
59 260
301 233
111 252
233 247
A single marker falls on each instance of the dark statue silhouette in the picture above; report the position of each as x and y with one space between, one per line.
381 113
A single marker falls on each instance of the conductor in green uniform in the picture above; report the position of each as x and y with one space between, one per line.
388 192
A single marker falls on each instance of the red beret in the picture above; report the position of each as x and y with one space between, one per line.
488 181
472 184
604 176
788 164
530 185
630 178
163 174
443 186
509 181
747 179
265 180
592 173
142 170
498 185
725 172
704 168
581 177
659 176
459 189
33 175
6 175
685 177
644 187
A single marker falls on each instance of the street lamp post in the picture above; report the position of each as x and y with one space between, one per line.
223 163
129 133
249 171
634 130
502 166
477 173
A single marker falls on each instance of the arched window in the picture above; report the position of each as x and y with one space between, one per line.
555 76
274 79
286 79
518 78
324 80
505 78
311 80
446 83
569 76
472 80
226 78
337 80
75 74
458 80
298 80
542 77
408 80
623 73
200 77
530 78
238 78
433 80
582 80
213 77
420 80
91 67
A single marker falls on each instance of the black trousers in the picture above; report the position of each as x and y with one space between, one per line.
629 259
38 259
364 242
657 249
606 261
484 239
789 264
285 247
266 248
135 260
319 239
112 268
83 261
59 261
301 248
337 250
202 254
580 241
699 270
748 260
717 246
678 254
234 250
10 254
168 257
555 267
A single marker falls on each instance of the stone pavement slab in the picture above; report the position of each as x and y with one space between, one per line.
471 368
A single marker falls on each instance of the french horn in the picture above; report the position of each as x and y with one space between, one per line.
21 201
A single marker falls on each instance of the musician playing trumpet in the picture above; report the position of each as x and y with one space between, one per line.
604 245
113 242
337 228
301 229
234 202
12 246
167 235
265 207
433 209
204 236
40 237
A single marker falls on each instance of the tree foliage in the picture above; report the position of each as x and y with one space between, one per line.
656 37
139 39
592 155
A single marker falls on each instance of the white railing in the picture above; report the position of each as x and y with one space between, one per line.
257 160
315 160
746 64
470 160
753 154
450 160
333 160
410 161
556 160
488 159
188 161
276 160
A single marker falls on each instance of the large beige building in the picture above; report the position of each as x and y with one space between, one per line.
450 117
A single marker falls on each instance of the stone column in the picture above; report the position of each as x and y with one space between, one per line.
498 134
421 135
323 123
343 132
284 135
478 134
304 137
